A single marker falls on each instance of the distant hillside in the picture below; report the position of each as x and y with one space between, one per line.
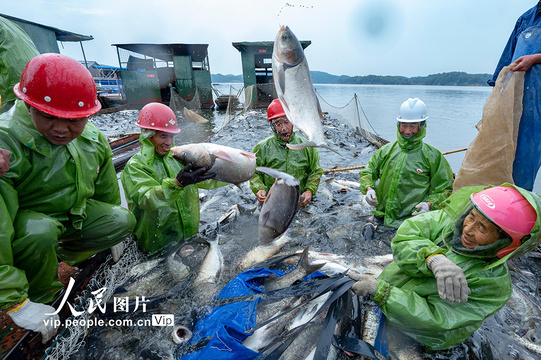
451 78
229 78
319 77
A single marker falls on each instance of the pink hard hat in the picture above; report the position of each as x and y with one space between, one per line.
505 207
158 116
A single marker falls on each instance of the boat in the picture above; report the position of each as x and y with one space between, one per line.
222 101
124 148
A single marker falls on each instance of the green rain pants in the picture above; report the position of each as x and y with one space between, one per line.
40 240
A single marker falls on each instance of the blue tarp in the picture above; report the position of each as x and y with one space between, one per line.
227 324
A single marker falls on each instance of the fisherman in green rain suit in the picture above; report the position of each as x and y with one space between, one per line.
414 177
449 272
60 196
16 50
272 152
159 190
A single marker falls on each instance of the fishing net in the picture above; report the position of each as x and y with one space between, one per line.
352 115
489 158
71 338
248 97
178 104
233 98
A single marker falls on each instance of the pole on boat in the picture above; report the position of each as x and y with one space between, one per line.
363 166
84 56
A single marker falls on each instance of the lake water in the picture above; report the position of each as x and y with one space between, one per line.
453 111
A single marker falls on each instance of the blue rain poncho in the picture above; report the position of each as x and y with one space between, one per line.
526 40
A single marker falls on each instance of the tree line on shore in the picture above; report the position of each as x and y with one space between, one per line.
456 78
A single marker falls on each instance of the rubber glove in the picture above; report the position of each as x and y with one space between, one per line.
117 251
422 208
452 284
371 198
31 316
365 285
187 177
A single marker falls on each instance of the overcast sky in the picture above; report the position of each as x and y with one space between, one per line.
349 37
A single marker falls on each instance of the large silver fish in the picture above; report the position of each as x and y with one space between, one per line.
229 164
212 265
280 206
295 90
303 268
263 252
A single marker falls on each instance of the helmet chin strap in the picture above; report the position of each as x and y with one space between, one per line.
277 132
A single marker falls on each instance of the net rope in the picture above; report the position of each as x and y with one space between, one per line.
71 338
352 114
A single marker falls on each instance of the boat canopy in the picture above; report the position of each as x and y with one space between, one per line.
166 52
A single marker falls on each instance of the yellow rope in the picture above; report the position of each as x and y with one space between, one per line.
122 135
363 166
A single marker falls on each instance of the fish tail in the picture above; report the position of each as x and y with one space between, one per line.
301 145
328 148
306 266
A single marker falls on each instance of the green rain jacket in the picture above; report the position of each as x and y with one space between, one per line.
302 164
410 172
50 179
165 212
407 291
16 50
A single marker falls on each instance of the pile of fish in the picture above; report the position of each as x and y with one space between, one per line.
333 235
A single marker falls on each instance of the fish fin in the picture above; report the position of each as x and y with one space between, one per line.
269 193
246 209
248 154
223 155
193 116
305 264
264 217
328 148
319 109
279 74
301 145
301 199
310 144
288 179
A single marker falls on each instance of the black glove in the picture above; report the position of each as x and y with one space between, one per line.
187 177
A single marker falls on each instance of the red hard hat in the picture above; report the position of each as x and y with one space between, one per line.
275 110
509 210
157 116
59 86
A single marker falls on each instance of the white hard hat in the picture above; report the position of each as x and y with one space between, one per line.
412 110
